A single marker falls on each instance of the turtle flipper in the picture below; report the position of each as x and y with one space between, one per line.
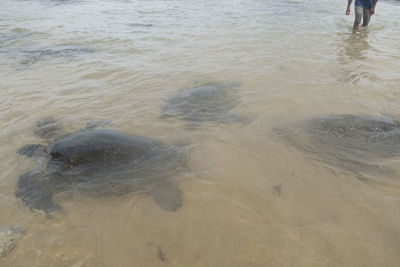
35 193
168 197
32 150
48 128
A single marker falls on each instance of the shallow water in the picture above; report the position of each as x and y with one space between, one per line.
249 199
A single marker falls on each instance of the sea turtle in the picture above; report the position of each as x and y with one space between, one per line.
361 144
100 162
207 102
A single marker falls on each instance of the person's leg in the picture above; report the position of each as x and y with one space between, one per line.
366 17
358 11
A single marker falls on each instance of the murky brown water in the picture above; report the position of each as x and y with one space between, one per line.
250 199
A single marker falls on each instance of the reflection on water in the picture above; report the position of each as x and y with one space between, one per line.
249 199
355 47
353 52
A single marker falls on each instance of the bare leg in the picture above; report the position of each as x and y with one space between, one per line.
358 12
366 18
355 27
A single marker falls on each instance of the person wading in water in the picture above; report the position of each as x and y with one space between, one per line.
364 9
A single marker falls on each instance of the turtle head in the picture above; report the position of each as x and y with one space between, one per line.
60 157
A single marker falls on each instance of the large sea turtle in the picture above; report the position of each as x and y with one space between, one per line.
99 162
364 145
206 102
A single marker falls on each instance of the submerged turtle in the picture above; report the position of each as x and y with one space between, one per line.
361 144
100 162
31 55
207 102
